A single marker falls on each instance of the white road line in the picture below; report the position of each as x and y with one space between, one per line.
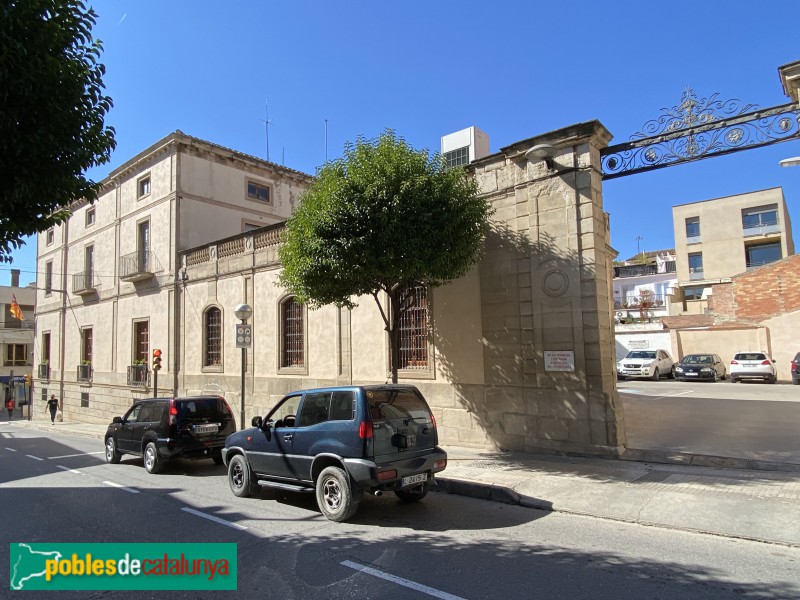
122 487
68 469
33 457
400 581
11 449
74 455
673 395
213 518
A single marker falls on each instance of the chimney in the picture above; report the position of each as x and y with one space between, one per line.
14 277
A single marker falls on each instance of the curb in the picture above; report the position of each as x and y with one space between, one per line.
706 460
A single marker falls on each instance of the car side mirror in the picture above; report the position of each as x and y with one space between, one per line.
116 420
257 422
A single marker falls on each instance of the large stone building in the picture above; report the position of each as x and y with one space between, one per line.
16 339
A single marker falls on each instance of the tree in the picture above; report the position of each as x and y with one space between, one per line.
381 220
52 111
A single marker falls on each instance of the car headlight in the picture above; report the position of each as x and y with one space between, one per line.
648 363
678 370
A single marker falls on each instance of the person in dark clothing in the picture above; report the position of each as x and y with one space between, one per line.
52 404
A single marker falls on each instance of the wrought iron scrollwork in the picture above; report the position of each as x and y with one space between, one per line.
696 129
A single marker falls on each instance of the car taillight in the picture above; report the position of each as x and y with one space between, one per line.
765 362
733 362
365 430
384 475
440 464
173 412
794 365
434 420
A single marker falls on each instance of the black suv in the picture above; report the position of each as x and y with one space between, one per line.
163 428
796 369
340 442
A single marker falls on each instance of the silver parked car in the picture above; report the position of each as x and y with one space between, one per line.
753 365
651 364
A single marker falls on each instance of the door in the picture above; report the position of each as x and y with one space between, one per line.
143 247
125 435
270 450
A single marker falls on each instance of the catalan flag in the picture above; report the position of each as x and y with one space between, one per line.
16 312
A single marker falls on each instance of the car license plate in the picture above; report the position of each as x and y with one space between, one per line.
412 479
205 429
691 374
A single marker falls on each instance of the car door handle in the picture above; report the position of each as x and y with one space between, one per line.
288 437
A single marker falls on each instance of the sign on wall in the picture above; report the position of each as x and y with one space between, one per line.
638 344
559 360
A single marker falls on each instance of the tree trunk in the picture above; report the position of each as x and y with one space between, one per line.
394 333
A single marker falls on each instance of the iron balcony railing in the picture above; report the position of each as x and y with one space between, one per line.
83 283
138 265
138 376
44 371
652 301
640 270
84 373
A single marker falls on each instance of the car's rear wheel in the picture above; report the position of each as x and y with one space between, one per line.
152 463
335 494
656 375
414 494
240 477
112 454
733 379
772 379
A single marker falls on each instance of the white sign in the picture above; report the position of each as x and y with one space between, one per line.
638 344
244 335
561 360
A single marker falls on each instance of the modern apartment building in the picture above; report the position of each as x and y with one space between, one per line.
106 295
719 238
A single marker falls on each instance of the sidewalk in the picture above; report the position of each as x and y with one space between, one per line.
748 504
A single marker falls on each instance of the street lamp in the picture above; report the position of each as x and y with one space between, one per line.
244 339
790 162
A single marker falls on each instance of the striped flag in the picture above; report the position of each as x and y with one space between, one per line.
16 312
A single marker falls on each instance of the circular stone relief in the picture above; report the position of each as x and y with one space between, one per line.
555 282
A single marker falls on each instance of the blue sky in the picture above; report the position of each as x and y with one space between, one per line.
425 69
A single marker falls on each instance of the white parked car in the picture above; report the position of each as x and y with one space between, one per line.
752 365
645 363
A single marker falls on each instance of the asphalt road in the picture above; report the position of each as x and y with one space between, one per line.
743 420
57 488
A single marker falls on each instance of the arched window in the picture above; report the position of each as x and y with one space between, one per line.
413 328
292 334
212 329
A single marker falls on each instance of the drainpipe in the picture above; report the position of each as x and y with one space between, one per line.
63 315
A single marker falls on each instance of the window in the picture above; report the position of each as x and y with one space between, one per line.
315 409
250 226
692 227
90 216
258 191
143 246
143 186
16 355
86 345
458 157
51 236
45 358
693 293
141 341
762 216
84 399
212 357
48 278
696 262
762 254
413 328
292 334
133 414
343 406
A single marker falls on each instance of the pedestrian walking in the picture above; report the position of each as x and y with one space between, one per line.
10 404
52 404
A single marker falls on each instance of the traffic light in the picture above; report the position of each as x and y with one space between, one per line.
28 379
157 359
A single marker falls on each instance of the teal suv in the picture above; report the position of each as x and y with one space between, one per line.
340 443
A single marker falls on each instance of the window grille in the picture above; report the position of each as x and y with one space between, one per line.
413 328
213 355
293 334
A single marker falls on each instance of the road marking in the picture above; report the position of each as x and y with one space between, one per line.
11 449
213 518
68 469
74 455
400 581
33 457
673 395
122 487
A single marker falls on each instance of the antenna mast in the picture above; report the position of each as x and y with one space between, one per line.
266 123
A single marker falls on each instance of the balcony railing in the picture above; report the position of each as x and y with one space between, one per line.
138 266
84 373
138 376
696 274
44 371
83 283
635 303
640 270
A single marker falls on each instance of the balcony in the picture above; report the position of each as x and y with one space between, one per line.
696 274
650 302
138 376
84 373
138 266
44 371
762 227
83 283
641 270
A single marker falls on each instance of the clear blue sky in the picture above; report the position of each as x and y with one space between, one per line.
425 69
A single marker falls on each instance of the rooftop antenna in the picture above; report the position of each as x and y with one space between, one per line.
266 123
639 238
283 155
326 140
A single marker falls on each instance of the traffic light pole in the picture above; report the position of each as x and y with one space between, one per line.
155 383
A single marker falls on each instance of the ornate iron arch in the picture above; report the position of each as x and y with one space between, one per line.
700 128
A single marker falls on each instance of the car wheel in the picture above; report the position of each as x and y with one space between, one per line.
152 463
656 375
715 379
795 381
112 454
621 378
733 379
772 379
724 375
335 494
414 494
240 478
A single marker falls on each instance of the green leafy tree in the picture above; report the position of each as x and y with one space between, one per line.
52 111
382 220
